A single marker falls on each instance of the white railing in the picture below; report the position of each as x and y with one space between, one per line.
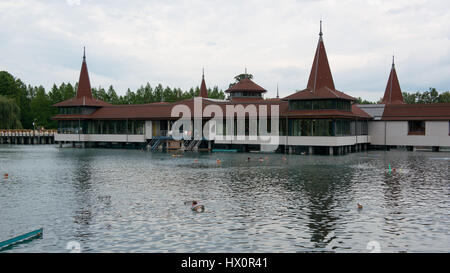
28 133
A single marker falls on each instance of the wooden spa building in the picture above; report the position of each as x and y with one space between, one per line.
316 120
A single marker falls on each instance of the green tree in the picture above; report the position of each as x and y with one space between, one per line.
409 97
7 85
15 89
42 110
9 114
159 89
430 96
148 94
240 77
112 95
55 95
361 101
444 97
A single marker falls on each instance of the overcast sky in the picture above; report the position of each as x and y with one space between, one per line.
129 43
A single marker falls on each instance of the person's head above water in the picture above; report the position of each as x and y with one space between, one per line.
194 202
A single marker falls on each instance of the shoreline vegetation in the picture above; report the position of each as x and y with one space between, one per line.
21 105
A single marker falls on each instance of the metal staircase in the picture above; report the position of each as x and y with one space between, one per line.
154 143
191 145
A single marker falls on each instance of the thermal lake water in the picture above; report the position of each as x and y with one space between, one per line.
111 200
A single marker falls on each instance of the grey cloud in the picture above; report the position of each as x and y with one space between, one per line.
132 42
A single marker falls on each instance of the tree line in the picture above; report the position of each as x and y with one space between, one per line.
147 94
430 96
22 105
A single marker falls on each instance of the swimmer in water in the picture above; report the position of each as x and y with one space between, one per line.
196 207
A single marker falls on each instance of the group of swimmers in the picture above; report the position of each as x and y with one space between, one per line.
200 208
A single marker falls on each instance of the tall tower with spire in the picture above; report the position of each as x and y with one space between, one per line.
84 92
393 93
203 90
84 84
320 75
320 83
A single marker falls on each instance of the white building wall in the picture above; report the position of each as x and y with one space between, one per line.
326 141
67 137
436 134
99 138
148 129
376 132
304 141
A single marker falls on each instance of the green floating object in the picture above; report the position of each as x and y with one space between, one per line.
225 150
33 234
389 167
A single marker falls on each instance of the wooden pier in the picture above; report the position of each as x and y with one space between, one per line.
30 137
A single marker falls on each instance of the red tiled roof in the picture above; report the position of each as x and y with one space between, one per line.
203 90
321 93
355 113
83 101
320 75
360 112
393 93
433 111
273 99
246 85
84 85
143 111
247 99
71 117
163 111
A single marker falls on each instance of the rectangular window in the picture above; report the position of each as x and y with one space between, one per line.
282 125
305 127
322 127
343 127
416 127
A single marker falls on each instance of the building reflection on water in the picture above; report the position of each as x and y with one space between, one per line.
82 183
311 193
321 187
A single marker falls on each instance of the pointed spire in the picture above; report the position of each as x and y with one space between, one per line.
203 91
393 93
84 85
320 33
320 75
